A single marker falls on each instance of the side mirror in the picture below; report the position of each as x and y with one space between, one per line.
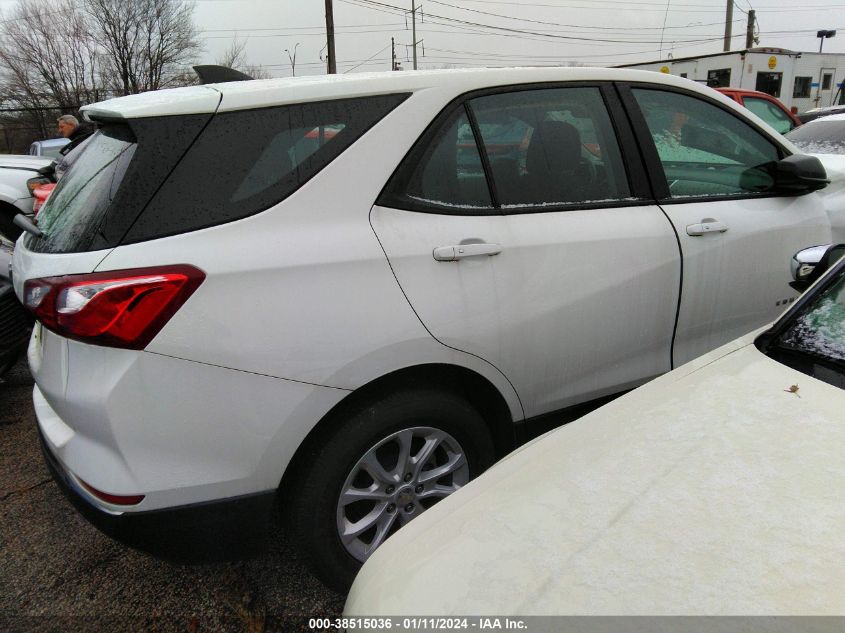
811 263
799 174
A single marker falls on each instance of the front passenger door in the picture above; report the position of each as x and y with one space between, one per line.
708 167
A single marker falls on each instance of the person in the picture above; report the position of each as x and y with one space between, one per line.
69 128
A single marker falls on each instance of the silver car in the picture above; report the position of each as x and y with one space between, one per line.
51 148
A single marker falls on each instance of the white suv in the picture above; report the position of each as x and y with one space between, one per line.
362 290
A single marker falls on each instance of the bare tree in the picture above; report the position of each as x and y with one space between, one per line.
235 57
147 43
48 61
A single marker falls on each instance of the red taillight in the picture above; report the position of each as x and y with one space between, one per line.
34 183
41 193
118 500
122 308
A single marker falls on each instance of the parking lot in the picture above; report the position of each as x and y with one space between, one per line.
57 572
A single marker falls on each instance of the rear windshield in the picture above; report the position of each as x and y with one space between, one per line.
249 160
74 211
820 137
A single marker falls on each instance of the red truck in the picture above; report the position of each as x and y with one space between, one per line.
764 106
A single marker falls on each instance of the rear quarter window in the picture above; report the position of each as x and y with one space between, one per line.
250 160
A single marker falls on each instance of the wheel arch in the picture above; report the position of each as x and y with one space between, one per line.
477 389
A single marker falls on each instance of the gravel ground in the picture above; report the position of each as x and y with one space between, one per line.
59 573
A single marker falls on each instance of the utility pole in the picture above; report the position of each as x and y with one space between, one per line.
749 30
822 35
331 62
414 30
729 18
392 54
292 59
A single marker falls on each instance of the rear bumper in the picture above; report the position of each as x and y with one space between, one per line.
179 433
234 527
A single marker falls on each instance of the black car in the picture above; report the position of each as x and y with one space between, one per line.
15 322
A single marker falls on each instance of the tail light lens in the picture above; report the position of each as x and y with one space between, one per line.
41 193
33 183
118 500
122 308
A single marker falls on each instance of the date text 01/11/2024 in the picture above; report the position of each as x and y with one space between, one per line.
415 624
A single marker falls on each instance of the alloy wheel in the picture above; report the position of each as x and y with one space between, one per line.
393 482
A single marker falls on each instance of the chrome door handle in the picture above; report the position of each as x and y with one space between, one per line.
459 251
707 225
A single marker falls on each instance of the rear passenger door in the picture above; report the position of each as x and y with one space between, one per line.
710 170
520 229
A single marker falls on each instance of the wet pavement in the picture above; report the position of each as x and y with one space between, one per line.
59 573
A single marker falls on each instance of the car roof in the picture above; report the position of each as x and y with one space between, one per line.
745 92
24 161
833 108
52 142
829 117
239 95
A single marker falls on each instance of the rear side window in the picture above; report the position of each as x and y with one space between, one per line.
249 160
550 147
520 151
449 173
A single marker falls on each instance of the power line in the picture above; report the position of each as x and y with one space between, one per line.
300 28
577 26
645 3
514 30
368 59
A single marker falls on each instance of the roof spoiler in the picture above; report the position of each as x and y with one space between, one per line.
213 74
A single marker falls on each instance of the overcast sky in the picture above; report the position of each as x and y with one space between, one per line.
461 33
458 33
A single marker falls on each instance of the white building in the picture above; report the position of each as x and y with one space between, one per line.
803 80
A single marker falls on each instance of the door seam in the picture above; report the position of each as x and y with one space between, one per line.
425 327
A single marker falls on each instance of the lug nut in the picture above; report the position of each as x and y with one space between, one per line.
389 490
409 507
391 508
408 477
419 488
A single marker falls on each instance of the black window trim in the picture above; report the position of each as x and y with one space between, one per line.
482 154
640 193
654 166
767 341
134 238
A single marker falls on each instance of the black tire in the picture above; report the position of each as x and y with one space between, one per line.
7 363
328 464
7 226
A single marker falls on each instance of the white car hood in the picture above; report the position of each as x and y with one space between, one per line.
713 490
